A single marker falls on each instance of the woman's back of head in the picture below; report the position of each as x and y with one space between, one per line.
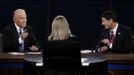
60 29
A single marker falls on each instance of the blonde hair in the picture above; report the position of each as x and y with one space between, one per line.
60 29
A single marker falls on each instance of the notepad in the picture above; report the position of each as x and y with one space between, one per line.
33 53
16 53
84 62
87 51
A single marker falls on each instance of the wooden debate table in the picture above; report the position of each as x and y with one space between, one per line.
118 63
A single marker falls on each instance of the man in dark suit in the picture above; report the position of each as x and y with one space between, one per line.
115 37
18 36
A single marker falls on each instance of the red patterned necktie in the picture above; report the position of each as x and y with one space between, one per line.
112 36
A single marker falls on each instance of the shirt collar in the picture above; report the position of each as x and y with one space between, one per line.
115 28
17 27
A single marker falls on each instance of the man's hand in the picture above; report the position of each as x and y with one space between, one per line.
33 48
24 35
103 49
106 42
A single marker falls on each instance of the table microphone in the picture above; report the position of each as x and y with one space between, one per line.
26 29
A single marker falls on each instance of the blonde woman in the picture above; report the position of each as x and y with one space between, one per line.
61 44
60 35
60 29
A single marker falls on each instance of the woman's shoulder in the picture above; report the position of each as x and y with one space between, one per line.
73 38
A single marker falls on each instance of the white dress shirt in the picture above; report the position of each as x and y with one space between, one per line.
114 32
18 30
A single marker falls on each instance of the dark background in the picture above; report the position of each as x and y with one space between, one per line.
83 16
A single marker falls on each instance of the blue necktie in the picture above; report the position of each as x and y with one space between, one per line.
22 44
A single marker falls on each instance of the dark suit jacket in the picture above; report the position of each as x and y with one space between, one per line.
62 57
62 48
122 41
10 39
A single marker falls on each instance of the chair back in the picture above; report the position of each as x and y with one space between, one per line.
62 58
62 66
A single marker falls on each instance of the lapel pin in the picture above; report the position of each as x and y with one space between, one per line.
119 33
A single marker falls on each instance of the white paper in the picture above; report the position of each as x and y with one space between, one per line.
33 52
83 62
87 51
39 64
16 53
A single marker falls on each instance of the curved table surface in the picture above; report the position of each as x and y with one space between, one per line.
86 58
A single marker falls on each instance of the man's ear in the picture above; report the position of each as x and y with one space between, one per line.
111 20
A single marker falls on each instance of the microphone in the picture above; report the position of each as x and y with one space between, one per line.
26 29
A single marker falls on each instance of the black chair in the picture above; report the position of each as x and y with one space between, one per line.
62 66
62 58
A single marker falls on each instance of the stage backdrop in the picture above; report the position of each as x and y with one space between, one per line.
83 16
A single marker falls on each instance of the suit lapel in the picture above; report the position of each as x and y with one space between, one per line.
118 36
14 30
